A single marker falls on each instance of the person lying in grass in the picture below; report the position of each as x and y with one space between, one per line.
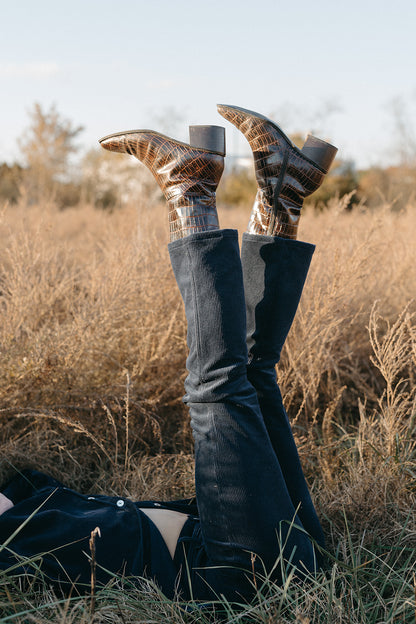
253 516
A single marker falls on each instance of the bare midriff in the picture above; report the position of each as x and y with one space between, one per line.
5 503
169 523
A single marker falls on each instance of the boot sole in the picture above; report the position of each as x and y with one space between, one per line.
159 134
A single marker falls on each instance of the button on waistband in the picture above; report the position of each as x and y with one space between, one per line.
120 503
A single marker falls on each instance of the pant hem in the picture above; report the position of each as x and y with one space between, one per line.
278 241
200 236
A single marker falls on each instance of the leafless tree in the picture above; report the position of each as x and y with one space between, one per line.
46 146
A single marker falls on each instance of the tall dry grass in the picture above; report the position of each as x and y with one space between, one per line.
92 355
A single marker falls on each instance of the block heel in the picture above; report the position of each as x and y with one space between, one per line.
210 138
320 152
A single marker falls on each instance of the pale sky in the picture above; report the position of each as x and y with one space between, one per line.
324 66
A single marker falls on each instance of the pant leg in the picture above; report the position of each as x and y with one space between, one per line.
243 501
275 271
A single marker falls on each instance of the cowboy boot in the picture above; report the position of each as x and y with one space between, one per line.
188 175
285 175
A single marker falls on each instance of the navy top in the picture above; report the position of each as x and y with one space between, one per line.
57 536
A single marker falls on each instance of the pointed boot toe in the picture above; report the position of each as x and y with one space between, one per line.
114 142
133 142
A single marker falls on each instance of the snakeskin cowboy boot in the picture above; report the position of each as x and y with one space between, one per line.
285 175
188 175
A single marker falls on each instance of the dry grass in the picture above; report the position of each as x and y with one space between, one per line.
92 353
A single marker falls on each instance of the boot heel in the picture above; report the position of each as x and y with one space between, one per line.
210 138
320 152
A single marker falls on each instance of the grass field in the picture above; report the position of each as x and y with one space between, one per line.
92 354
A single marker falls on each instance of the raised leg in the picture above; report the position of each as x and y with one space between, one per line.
274 272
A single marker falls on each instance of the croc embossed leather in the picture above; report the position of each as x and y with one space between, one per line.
285 176
188 176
